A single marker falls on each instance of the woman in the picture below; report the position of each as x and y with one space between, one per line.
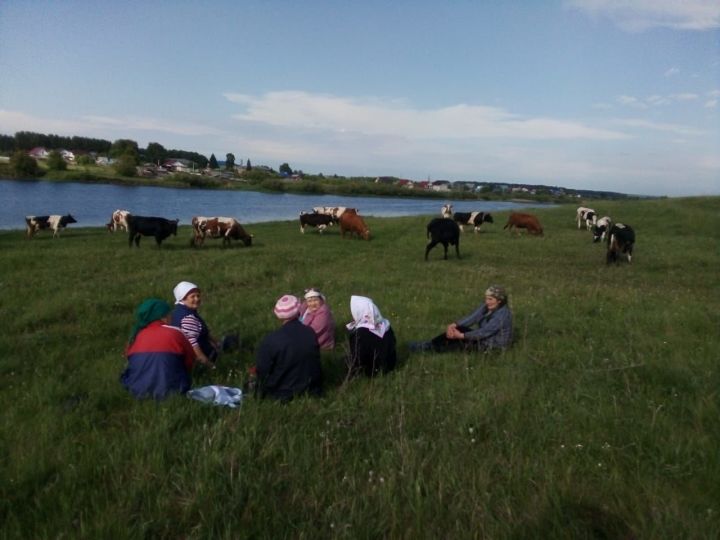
186 317
288 359
316 314
493 330
372 340
159 356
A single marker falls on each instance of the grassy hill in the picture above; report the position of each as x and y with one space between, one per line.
602 421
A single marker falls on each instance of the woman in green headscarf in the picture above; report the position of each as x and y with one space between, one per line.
160 357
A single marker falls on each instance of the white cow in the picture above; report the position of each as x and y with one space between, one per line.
602 228
587 216
118 220
447 211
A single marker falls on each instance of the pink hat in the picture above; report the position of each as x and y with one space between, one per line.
287 307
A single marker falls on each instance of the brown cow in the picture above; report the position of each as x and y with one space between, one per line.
219 227
351 222
524 221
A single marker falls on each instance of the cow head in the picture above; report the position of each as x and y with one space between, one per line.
67 219
365 234
598 232
487 218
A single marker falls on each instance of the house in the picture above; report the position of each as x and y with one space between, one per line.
179 165
422 185
38 153
104 161
385 180
440 185
67 155
409 184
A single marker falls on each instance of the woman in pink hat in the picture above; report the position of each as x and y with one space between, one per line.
288 359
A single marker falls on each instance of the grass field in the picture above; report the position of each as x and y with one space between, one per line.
601 422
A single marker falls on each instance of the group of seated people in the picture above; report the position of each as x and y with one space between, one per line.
166 343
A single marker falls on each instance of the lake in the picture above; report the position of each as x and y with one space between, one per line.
92 204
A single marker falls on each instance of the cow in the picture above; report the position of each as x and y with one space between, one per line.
587 216
447 211
601 228
472 218
443 231
334 211
321 221
620 239
118 220
524 221
54 222
158 227
351 222
226 228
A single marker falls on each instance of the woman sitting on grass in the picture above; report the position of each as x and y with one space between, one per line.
371 339
316 314
186 317
159 356
493 331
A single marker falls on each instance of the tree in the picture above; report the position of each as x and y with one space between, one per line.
23 165
55 161
85 160
229 161
125 165
248 167
155 152
124 147
7 143
285 169
213 164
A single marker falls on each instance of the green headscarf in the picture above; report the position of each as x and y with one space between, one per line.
150 310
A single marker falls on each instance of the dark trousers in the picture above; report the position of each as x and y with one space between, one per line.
443 344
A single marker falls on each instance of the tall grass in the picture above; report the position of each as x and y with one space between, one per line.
602 421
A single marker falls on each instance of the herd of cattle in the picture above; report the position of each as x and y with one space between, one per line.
444 230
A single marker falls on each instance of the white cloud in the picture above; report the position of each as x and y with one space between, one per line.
301 110
640 15
684 97
711 103
713 94
677 129
631 101
672 71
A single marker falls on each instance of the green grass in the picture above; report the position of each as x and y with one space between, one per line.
601 422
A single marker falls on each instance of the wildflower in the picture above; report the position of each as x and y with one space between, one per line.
470 430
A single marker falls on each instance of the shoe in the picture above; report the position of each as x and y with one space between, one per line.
419 346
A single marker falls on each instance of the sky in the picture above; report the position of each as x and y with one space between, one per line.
618 95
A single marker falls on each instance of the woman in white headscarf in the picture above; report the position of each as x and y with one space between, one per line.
371 339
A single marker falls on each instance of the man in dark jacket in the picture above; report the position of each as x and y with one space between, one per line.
288 359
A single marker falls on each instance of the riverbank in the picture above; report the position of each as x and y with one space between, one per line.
601 421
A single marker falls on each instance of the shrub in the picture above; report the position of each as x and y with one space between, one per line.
23 165
55 161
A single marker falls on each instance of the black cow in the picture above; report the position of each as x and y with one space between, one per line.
158 227
321 221
472 218
443 231
620 239
54 222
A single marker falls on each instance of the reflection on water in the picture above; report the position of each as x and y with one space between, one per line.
92 204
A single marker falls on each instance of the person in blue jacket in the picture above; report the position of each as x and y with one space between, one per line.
186 317
488 327
288 359
159 356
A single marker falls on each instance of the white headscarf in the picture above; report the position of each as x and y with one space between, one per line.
182 289
367 315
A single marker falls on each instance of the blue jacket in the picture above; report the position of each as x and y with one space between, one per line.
203 340
494 330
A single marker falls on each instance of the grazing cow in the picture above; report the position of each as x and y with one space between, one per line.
351 222
443 231
226 228
601 228
158 227
334 211
447 211
118 220
587 216
321 221
54 222
524 221
472 218
621 239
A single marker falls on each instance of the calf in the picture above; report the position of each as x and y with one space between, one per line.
587 216
443 231
351 222
228 229
321 221
54 222
620 240
472 218
158 227
118 220
524 221
601 228
447 211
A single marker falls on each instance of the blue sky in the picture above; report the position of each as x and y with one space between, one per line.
618 95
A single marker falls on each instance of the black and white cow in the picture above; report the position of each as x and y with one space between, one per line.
158 227
472 218
321 221
447 211
54 222
588 216
621 240
333 211
443 231
601 228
